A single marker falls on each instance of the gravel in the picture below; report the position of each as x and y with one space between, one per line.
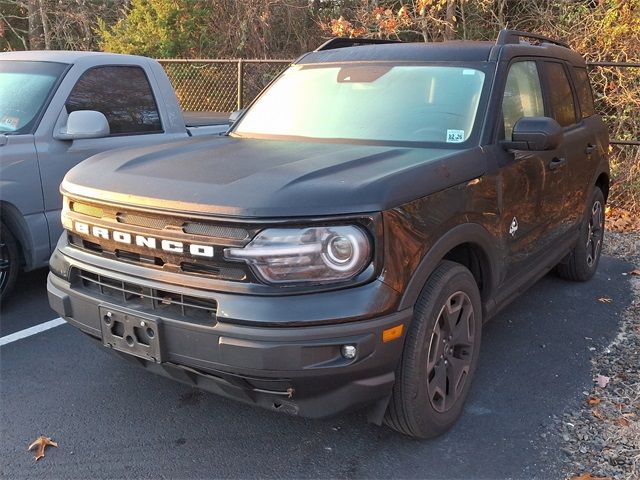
601 439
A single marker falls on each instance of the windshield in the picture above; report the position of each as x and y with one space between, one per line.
375 102
24 89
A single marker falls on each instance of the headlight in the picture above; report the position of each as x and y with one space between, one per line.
306 255
58 265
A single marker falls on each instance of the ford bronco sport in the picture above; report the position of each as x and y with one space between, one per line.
343 244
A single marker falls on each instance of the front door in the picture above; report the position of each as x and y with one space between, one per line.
531 193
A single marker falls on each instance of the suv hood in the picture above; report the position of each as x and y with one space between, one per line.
270 178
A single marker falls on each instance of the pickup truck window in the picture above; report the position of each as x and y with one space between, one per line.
560 94
24 89
122 94
375 102
583 88
522 95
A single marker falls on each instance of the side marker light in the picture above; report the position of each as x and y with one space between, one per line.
392 333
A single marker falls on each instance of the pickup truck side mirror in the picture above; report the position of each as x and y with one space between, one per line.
84 124
535 134
233 118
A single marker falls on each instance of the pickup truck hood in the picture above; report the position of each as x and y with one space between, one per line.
242 177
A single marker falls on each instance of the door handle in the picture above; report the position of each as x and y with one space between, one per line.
590 148
557 162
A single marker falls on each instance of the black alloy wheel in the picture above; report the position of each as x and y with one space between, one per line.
450 351
9 261
581 264
595 233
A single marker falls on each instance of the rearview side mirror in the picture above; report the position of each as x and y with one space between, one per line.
84 124
535 134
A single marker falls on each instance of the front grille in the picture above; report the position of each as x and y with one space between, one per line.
152 300
211 235
157 223
219 231
193 228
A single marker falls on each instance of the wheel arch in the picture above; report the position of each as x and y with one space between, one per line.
468 244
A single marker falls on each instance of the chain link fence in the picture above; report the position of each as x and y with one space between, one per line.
220 85
616 90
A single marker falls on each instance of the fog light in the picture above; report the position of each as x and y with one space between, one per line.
349 351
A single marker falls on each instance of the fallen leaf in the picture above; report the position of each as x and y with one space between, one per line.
596 413
622 422
605 300
635 272
621 220
593 401
40 444
588 476
602 381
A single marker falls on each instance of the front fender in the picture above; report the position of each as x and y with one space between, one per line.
468 233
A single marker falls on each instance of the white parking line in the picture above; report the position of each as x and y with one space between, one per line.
27 332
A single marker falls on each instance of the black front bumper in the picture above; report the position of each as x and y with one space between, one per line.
295 369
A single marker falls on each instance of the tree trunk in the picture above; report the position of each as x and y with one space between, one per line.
45 26
35 26
449 30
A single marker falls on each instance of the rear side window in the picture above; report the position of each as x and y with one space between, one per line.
122 94
583 88
560 94
522 95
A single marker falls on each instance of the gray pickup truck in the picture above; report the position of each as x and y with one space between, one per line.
58 108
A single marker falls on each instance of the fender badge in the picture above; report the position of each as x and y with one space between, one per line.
514 227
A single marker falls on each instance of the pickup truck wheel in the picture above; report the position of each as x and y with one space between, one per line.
9 261
440 355
583 260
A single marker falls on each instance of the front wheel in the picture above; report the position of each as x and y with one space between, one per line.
582 262
440 355
9 261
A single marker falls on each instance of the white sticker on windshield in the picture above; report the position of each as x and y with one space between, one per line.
455 136
468 71
9 123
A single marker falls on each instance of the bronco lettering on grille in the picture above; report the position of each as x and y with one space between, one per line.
152 243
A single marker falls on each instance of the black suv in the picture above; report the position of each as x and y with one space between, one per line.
344 243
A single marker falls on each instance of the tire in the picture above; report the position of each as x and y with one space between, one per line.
418 407
9 261
582 263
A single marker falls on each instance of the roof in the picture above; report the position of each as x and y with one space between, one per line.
458 50
449 51
59 56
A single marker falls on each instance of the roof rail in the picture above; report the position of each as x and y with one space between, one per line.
342 42
513 37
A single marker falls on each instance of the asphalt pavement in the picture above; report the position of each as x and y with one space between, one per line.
113 420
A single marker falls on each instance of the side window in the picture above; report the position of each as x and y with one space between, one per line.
583 88
560 94
122 94
522 95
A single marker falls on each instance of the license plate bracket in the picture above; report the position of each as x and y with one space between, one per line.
133 333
